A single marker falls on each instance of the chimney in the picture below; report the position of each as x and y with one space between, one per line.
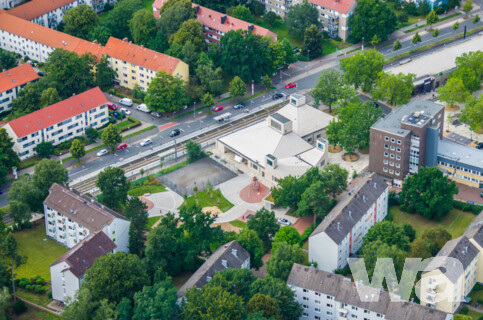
224 263
223 19
124 40
251 27
234 252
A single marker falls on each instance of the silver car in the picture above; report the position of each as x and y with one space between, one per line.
146 142
102 152
284 222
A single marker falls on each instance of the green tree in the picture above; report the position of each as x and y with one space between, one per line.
270 18
416 38
429 193
435 33
80 20
164 250
100 34
211 78
243 13
170 3
420 248
467 6
266 82
375 40
456 25
288 192
82 307
266 305
117 19
470 78
473 113
372 17
300 17
166 93
136 212
264 223
44 149
431 18
24 199
8 157
193 151
287 234
238 88
28 99
472 60
7 60
436 238
236 281
46 173
363 69
156 302
249 240
208 100
282 259
125 309
394 88
104 73
108 279
106 311
9 252
453 91
173 17
312 42
4 302
92 133
476 18
334 179
314 201
396 45
409 231
388 233
142 27
49 96
371 251
114 186
190 30
3 175
111 136
77 149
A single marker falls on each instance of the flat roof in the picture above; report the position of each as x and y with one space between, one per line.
461 154
280 118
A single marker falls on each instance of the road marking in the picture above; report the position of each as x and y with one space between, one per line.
167 125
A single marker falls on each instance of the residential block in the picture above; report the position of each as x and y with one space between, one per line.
12 81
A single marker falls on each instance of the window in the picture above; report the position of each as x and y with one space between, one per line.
386 154
305 306
305 290
386 138
398 149
399 142
393 140
386 146
397 173
391 171
305 299
398 165
398 157
391 163
392 148
384 169
385 161
392 156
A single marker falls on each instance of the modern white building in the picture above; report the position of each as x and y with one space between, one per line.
71 216
11 81
288 142
59 122
340 233
327 296
67 273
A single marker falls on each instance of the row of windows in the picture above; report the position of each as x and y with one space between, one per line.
391 171
398 157
392 148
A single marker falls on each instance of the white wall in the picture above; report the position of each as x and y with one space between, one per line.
59 228
324 251
64 284
9 4
118 231
8 96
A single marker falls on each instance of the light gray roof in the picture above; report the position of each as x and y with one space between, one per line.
392 122
412 311
280 118
215 263
461 154
305 119
475 229
351 207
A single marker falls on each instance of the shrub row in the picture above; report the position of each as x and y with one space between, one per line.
35 284
464 206
306 234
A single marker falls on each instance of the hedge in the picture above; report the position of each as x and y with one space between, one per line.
464 206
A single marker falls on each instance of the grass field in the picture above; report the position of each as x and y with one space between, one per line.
139 191
455 222
152 221
239 224
281 30
36 314
204 200
40 254
39 299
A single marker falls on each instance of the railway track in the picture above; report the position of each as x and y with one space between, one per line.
90 183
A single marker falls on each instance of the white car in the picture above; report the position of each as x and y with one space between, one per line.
126 102
126 111
102 152
284 222
146 142
144 108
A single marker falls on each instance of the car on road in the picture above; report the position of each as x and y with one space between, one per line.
146 142
111 106
102 152
156 114
126 111
217 108
174 133
283 221
479 145
291 85
143 107
121 146
239 106
277 96
126 101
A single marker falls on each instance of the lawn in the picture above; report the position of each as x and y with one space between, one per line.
28 162
281 30
329 46
39 299
239 224
152 221
204 200
40 254
455 222
139 191
36 314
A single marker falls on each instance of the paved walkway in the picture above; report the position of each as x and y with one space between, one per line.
164 202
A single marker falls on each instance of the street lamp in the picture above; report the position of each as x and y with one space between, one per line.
363 43
194 109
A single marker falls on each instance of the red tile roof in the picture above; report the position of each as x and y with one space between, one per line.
138 55
58 112
157 4
17 76
341 6
37 8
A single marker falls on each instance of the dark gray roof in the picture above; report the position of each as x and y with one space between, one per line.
392 122
215 263
475 230
351 207
412 311
280 118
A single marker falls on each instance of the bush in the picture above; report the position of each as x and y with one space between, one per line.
19 307
25 59
393 199
40 289
464 206
464 310
306 234
480 301
92 133
49 294
28 286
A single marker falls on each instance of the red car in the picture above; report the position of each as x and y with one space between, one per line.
218 108
290 85
111 106
122 146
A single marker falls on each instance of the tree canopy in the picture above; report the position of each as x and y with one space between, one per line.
190 31
312 47
80 20
264 223
166 93
8 157
473 113
114 186
249 240
142 27
394 88
363 69
300 17
173 17
329 88
136 212
453 91
388 233
372 18
156 302
280 263
117 18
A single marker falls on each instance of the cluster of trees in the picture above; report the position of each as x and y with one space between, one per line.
373 19
7 60
8 157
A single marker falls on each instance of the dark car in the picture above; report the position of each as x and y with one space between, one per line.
239 106
41 73
277 96
479 145
375 104
174 133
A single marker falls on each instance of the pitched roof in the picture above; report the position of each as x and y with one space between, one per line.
17 76
37 8
80 208
138 55
57 112
352 207
475 229
214 264
408 310
82 256
341 6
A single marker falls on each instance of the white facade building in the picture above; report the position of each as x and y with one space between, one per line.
7 4
327 296
11 81
67 272
340 233
59 122
70 217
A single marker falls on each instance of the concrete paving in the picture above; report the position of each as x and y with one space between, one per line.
359 166
164 202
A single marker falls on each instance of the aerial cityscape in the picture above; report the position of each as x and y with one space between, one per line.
241 159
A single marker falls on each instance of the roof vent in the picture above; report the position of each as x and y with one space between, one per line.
224 263
251 27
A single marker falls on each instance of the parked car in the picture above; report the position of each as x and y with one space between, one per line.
111 106
375 104
239 106
174 133
117 115
102 152
142 107
41 73
481 194
126 111
291 85
285 222
154 113
277 96
126 101
479 145
217 108
146 142
121 146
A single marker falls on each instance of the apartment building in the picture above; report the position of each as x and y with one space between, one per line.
341 232
327 296
138 65
67 273
11 81
71 216
50 13
59 122
406 139
8 4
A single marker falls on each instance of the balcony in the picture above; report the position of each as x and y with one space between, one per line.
430 297
432 286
